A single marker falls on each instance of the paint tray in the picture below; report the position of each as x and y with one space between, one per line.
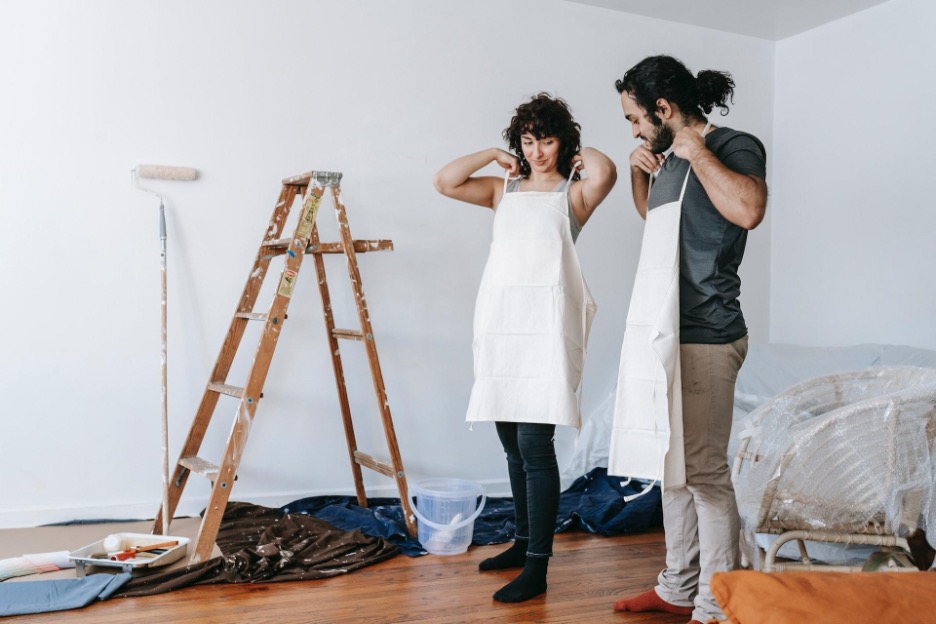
95 555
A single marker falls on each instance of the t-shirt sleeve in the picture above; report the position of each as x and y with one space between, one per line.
744 154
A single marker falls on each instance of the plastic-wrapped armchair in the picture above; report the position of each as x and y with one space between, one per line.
845 459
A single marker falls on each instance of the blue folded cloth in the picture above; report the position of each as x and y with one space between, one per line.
42 596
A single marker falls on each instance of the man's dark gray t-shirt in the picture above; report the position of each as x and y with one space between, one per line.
710 246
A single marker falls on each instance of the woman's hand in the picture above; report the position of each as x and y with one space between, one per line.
507 161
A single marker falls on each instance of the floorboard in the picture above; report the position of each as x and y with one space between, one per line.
586 575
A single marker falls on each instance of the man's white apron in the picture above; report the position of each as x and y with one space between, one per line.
647 436
532 316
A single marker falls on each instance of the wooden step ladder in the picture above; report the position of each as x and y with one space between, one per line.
305 240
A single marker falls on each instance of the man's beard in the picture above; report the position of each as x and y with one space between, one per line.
663 139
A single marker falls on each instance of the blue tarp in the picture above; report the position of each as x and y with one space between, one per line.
593 503
23 597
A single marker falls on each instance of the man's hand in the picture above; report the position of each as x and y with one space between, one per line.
645 160
688 144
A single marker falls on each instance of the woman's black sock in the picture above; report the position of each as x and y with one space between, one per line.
513 557
530 583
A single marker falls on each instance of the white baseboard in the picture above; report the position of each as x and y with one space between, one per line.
21 518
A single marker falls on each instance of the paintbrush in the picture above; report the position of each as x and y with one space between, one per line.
131 552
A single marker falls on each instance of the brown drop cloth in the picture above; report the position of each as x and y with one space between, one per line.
259 546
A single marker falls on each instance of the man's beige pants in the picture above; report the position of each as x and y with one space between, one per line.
701 517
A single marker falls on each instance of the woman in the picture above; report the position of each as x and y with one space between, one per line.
533 311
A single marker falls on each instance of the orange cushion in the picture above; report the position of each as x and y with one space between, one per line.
749 597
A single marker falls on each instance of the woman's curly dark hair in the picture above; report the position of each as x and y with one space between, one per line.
545 116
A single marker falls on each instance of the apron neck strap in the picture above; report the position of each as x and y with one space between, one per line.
568 182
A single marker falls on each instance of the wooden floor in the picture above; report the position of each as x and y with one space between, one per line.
586 575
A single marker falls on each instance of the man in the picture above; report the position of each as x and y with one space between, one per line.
713 178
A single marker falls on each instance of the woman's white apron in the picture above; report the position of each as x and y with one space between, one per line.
647 436
532 316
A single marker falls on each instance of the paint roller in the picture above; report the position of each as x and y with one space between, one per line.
184 174
162 172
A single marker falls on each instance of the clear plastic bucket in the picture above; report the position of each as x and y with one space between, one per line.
446 510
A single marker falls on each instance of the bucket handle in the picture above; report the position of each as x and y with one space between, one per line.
446 527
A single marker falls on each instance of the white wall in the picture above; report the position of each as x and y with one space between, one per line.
853 220
250 92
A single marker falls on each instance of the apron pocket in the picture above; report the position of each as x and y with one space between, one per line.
517 356
520 310
525 263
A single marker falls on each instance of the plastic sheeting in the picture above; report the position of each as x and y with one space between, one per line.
768 370
845 453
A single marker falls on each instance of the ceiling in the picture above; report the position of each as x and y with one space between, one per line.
764 19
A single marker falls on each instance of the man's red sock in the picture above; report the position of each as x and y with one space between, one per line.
650 601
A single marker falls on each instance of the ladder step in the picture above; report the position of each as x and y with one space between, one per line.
233 391
374 464
200 466
279 243
350 334
251 316
360 246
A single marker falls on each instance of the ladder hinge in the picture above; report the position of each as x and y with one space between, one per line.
327 178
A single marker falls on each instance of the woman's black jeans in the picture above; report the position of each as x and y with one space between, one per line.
534 481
